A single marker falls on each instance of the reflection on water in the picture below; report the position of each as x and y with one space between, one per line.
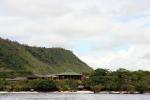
59 96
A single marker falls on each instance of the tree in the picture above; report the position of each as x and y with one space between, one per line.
97 88
2 84
42 85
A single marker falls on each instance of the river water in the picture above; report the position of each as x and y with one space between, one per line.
65 96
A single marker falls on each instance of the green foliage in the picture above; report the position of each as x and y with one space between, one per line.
120 80
99 80
37 85
10 56
42 85
13 74
67 85
15 57
97 88
2 84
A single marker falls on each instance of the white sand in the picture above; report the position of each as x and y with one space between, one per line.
80 92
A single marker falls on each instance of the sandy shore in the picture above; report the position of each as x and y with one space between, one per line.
21 92
24 92
80 92
70 92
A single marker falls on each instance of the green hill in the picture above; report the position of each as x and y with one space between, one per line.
18 59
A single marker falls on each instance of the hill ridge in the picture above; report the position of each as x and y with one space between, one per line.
38 60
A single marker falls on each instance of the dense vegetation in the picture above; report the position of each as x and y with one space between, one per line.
120 80
99 80
39 85
21 60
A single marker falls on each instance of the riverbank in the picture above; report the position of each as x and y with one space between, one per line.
24 92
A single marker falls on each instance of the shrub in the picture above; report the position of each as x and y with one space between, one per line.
42 85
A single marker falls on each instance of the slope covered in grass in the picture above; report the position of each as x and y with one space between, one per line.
22 59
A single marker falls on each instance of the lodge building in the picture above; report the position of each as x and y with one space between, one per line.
70 76
61 76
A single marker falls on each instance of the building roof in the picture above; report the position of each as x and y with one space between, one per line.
50 75
56 75
69 73
16 79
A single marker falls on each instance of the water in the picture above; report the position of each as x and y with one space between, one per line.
58 96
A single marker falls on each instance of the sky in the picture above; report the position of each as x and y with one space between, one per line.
108 34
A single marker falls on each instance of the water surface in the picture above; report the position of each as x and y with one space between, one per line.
60 96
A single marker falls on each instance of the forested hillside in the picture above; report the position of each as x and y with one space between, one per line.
18 59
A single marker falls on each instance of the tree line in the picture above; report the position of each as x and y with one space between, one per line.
99 80
119 80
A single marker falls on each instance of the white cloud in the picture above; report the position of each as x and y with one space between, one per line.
115 33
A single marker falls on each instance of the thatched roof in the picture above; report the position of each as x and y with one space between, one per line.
69 73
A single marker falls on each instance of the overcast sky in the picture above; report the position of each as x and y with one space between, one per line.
103 33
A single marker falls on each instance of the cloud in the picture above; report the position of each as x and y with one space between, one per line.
103 33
